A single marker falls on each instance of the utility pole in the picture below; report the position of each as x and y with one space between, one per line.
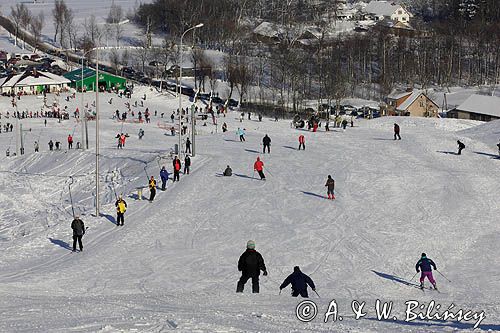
97 203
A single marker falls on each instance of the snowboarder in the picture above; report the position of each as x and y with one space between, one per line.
241 133
302 142
141 133
70 141
250 264
36 147
164 178
187 164
330 184
152 188
299 282
396 132
177 168
461 146
78 231
228 172
259 167
266 142
121 208
188 146
51 145
425 264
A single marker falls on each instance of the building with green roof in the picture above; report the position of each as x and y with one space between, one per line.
106 80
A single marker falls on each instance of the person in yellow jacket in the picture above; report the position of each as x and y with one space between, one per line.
152 188
121 208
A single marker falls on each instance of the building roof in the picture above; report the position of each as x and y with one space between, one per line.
397 94
482 104
76 75
268 29
32 78
381 8
409 101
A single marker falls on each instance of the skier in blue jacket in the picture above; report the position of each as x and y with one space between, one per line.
164 177
299 282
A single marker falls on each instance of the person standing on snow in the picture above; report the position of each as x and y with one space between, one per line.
152 188
177 168
498 145
188 146
121 208
37 147
396 132
302 142
259 167
172 117
330 184
266 142
164 177
78 231
141 133
241 133
51 145
461 146
425 264
250 264
224 128
299 282
70 141
187 164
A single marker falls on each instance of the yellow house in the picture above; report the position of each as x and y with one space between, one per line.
414 104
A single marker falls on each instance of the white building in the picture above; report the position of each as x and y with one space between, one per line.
380 10
33 82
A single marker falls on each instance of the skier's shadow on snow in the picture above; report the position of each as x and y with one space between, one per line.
289 147
110 218
313 194
383 139
230 140
394 278
446 152
493 156
252 151
60 243
243 176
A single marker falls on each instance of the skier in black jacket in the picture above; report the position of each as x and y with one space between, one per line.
78 232
266 142
425 264
461 146
250 265
299 282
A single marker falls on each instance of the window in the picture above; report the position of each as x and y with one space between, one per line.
403 18
400 12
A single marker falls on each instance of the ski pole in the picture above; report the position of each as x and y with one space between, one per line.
316 293
70 196
280 292
443 275
414 276
269 172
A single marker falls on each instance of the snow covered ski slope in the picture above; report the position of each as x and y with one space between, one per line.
173 265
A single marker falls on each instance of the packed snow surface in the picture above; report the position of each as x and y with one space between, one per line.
173 265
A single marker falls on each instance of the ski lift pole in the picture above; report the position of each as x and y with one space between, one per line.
113 183
70 196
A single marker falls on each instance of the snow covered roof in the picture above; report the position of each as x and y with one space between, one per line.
382 8
482 104
397 94
268 29
409 101
33 78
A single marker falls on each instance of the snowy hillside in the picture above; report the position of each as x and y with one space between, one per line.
173 266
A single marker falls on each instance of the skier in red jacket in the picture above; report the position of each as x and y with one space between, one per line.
302 142
259 167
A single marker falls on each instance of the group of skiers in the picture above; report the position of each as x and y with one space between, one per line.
164 175
251 263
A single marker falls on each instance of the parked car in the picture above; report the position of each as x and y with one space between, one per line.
232 103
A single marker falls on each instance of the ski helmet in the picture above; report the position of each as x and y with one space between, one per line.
424 255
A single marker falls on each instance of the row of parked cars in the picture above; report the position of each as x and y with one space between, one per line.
358 112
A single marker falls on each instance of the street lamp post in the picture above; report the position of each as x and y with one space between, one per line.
180 88
97 204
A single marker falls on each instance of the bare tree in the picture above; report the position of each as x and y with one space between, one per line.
115 16
19 15
92 30
114 59
58 17
36 27
142 55
69 27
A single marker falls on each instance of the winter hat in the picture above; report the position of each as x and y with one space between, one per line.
424 255
251 245
296 269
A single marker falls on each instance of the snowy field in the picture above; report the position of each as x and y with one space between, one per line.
173 266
